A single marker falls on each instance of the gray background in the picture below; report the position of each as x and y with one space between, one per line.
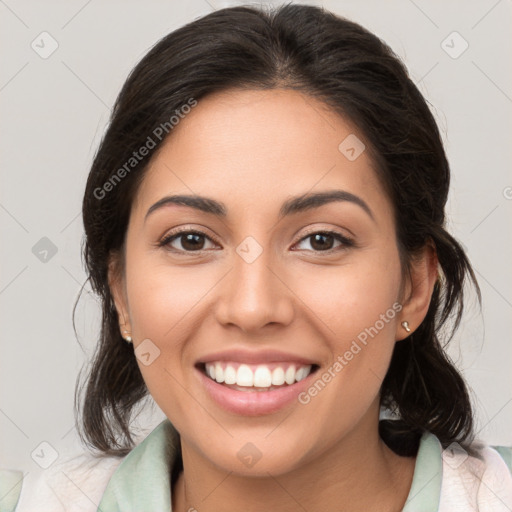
54 111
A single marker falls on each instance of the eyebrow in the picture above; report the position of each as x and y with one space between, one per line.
291 206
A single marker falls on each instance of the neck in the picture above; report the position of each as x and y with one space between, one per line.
359 473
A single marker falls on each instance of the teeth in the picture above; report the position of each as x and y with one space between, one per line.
260 376
230 375
218 373
301 374
289 376
244 376
278 376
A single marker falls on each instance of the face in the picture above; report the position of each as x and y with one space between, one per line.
253 294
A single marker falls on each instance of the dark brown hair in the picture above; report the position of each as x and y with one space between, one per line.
357 75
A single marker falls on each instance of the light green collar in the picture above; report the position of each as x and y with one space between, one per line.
142 480
425 490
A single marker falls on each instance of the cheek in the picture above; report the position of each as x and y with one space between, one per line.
162 299
164 306
167 305
356 309
351 298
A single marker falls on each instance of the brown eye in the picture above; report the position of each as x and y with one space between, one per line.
190 241
323 241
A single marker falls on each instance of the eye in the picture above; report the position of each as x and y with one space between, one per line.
195 241
322 241
190 241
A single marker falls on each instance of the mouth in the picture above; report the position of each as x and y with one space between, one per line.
247 378
255 389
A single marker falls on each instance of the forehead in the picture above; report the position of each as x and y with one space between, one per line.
254 147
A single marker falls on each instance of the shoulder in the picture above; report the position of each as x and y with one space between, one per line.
482 482
10 489
75 483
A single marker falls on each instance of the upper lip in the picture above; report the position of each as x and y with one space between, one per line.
255 357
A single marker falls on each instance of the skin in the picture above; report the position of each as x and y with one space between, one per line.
252 150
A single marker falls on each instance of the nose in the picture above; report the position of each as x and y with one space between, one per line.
254 294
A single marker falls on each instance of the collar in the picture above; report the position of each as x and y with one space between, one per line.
425 492
142 480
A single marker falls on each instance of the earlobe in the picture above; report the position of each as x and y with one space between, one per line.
422 278
117 290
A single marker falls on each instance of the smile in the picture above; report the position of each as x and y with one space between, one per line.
255 389
261 376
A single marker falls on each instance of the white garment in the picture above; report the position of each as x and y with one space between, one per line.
73 485
483 486
443 481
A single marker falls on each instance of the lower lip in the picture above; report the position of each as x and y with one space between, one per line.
253 403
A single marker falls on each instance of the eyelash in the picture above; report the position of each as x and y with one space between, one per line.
345 241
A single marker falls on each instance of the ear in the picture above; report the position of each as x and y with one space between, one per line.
117 287
419 285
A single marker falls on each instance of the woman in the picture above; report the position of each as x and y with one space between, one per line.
264 225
